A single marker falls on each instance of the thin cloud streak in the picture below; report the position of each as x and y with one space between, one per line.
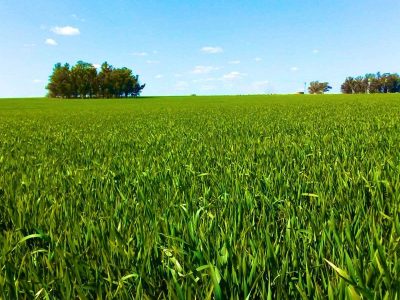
204 69
211 50
66 30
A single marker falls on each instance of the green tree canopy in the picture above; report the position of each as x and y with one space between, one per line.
317 87
372 83
60 82
83 81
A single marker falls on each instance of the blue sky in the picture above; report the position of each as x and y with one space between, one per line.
204 47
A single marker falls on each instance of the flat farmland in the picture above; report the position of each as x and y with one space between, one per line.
218 197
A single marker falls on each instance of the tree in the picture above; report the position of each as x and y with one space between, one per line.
84 78
360 85
60 82
390 83
83 81
348 86
105 81
317 87
372 83
124 82
137 90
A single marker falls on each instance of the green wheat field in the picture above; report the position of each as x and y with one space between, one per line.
219 197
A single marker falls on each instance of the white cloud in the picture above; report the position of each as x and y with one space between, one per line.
66 30
37 81
140 54
211 50
51 42
97 66
202 80
76 17
315 51
258 59
227 77
159 76
294 69
234 62
181 85
29 45
233 75
204 69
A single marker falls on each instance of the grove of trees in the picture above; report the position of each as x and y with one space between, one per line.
317 87
372 83
83 81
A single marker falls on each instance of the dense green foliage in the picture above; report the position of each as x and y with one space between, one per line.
317 87
372 84
261 197
83 81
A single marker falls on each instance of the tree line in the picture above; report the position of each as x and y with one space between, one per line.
83 81
367 84
372 83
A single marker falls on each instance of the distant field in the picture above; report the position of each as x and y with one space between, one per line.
265 197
